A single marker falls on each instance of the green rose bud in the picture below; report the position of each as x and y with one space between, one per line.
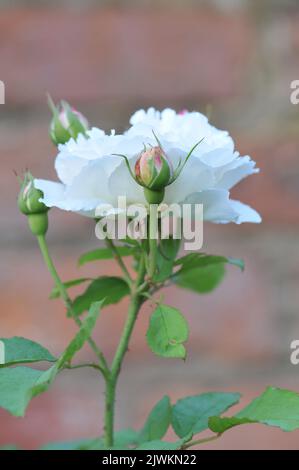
66 123
30 205
153 171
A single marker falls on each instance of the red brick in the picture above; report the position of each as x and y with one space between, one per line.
128 54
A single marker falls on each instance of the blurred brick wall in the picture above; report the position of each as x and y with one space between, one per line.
238 58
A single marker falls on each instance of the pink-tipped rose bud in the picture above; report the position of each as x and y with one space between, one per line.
30 205
66 123
152 169
29 197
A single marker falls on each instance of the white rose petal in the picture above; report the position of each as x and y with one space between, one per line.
91 175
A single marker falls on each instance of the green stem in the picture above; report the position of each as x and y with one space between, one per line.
111 382
153 248
109 412
200 441
82 366
119 260
67 301
125 337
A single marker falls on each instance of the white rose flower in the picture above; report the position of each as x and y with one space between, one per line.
91 175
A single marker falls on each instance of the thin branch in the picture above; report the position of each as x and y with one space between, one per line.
68 303
81 366
122 348
196 442
119 260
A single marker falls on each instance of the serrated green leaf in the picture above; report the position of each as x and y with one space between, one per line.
167 332
18 385
167 252
74 282
219 425
202 279
18 350
275 407
157 422
202 273
195 260
110 290
191 414
103 253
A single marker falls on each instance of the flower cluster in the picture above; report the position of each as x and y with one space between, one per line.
157 145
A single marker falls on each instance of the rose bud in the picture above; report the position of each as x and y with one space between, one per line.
66 123
29 204
153 171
